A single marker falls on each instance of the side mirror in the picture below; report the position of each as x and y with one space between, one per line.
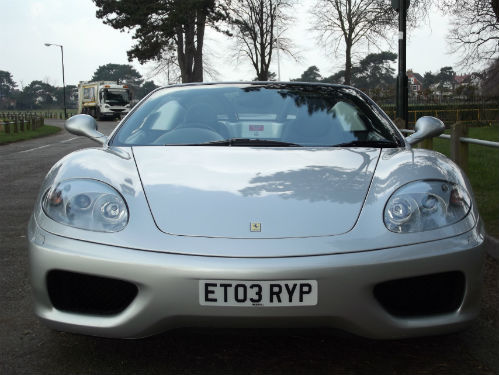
426 127
85 125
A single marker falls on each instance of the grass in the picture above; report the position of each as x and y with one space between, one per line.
40 132
483 172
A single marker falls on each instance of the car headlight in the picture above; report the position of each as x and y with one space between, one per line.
86 204
426 205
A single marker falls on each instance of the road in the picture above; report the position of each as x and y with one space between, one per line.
28 347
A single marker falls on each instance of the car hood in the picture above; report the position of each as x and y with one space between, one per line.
255 192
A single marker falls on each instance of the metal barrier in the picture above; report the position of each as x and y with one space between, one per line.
458 142
478 115
481 142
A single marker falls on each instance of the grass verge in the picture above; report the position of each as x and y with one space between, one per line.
40 132
483 172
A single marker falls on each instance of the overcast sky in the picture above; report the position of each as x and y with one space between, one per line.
27 24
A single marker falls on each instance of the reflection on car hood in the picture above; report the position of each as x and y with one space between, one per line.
243 192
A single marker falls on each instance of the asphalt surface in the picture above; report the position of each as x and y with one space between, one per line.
28 347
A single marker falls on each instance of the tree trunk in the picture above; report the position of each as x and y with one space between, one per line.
495 7
348 63
263 74
190 48
198 53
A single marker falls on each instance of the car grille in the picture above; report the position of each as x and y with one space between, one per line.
423 295
87 294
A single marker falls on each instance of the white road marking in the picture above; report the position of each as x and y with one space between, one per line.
50 144
33 149
69 140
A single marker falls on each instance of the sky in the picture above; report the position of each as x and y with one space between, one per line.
27 24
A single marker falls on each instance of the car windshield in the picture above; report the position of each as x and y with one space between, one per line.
252 114
116 97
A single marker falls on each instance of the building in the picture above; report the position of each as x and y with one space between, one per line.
415 82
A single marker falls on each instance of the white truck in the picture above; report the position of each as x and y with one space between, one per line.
104 99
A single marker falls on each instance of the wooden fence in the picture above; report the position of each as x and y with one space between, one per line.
18 123
44 114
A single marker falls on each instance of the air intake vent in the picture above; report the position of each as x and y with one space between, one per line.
87 294
423 295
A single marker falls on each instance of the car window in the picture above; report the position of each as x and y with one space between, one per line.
304 115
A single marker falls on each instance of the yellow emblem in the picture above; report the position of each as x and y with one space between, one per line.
255 227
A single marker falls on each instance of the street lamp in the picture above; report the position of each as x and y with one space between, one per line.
63 83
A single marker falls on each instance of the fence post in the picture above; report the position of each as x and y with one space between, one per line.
16 124
427 143
458 149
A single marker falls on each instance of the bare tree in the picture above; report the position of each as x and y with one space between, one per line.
344 24
258 27
475 29
168 69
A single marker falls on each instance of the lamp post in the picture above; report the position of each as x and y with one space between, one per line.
63 83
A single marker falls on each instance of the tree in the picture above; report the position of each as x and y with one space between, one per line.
337 78
495 8
475 29
349 23
375 71
272 77
310 75
122 73
490 85
429 79
37 94
71 95
257 25
145 89
165 28
7 84
446 78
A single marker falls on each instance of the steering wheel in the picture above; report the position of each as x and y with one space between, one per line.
218 128
189 135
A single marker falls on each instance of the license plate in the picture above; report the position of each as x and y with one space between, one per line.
275 293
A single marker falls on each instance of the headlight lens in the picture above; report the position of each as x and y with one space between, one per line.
426 205
86 204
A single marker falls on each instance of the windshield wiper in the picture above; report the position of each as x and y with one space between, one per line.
377 144
242 142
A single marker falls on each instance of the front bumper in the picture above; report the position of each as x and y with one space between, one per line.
168 287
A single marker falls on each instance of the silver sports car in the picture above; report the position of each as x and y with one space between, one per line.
256 205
